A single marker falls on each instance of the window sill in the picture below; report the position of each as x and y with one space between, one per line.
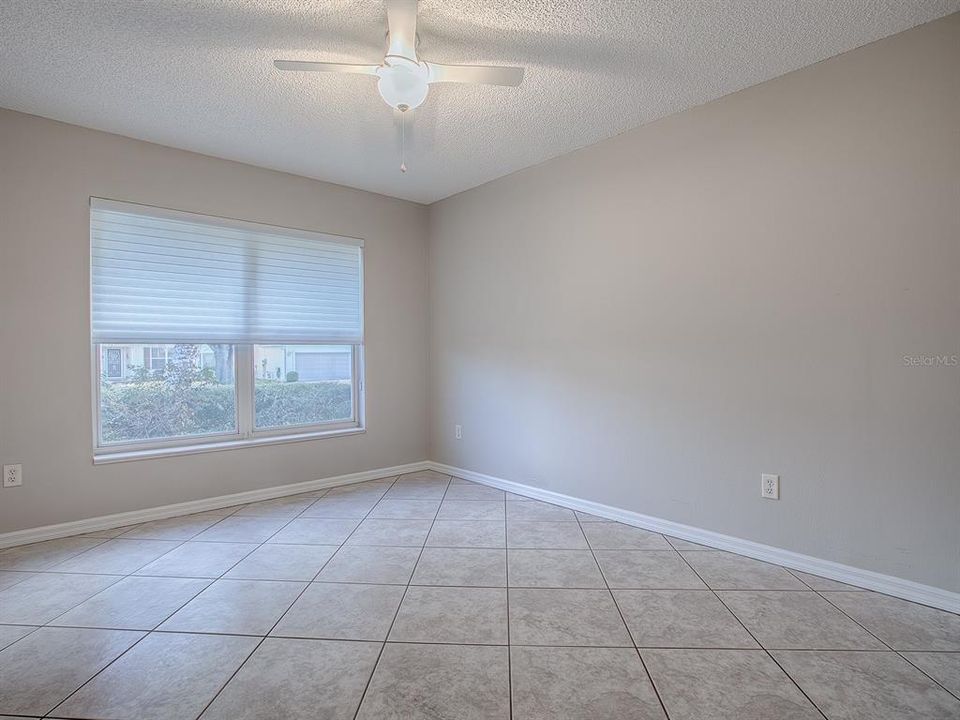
105 457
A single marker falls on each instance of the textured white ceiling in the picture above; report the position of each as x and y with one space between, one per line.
198 74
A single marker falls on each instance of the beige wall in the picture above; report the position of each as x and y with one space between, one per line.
48 171
655 320
650 322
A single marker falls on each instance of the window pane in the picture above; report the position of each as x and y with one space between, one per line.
150 392
302 384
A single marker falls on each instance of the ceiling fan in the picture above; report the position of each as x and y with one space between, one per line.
405 79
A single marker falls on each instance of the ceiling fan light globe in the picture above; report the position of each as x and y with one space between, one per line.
403 82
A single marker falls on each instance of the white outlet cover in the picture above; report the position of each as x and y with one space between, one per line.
12 475
770 486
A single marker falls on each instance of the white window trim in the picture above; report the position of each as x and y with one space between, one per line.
246 435
148 358
244 372
105 458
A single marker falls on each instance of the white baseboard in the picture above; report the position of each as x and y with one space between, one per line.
106 522
887 584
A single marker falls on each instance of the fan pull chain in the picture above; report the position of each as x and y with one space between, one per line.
403 132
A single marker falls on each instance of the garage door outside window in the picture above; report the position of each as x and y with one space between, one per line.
215 332
303 385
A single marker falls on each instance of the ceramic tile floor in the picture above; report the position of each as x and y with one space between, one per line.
426 596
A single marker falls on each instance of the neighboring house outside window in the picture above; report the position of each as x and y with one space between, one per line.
155 358
311 363
208 360
212 332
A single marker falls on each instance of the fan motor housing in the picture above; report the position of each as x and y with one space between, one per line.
403 82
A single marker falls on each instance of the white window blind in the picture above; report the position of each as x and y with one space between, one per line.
163 276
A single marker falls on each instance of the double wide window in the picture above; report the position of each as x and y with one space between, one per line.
215 332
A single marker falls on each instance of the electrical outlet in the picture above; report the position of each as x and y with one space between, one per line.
770 486
458 431
12 475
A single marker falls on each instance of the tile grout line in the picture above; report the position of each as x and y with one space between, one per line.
146 633
396 613
96 674
410 583
306 586
133 574
887 645
759 644
46 568
180 542
623 620
890 648
121 578
149 632
33 629
487 644
928 675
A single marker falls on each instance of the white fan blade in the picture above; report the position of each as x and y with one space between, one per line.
480 74
402 26
305 66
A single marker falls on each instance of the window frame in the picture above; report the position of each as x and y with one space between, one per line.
102 449
148 358
244 385
353 422
246 434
